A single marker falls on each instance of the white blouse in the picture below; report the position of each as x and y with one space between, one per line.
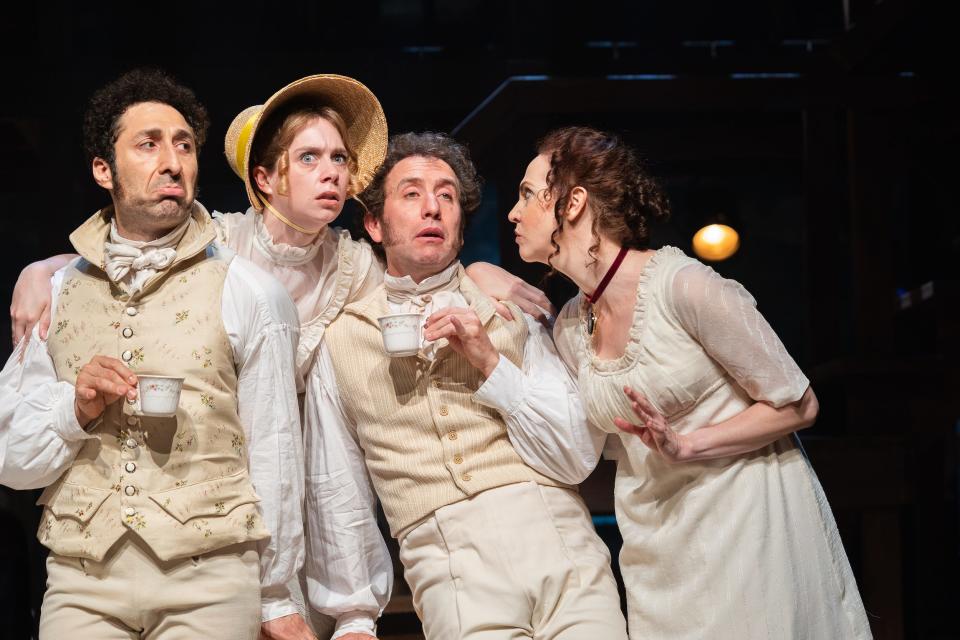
321 278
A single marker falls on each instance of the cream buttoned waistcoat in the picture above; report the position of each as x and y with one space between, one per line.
179 483
427 443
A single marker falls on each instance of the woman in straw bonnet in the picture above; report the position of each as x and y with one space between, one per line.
301 154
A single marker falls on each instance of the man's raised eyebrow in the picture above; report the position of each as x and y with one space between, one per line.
183 133
413 180
179 134
448 181
149 133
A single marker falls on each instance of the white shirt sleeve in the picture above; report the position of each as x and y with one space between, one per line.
39 432
348 568
263 328
542 410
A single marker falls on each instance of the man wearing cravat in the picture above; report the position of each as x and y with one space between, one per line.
176 527
459 442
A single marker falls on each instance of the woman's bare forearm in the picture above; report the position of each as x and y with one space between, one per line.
753 428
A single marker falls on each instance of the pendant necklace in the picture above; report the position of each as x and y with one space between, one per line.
592 298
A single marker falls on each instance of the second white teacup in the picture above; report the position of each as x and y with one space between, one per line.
401 333
158 396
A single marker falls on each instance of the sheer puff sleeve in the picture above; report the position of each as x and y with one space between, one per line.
722 316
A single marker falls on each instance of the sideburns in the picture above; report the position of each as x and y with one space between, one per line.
388 239
117 183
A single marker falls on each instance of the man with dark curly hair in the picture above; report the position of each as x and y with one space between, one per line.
495 542
182 523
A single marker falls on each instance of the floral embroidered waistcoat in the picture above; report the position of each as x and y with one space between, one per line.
180 483
427 443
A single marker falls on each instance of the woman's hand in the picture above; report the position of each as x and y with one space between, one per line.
31 302
653 430
752 429
500 284
31 297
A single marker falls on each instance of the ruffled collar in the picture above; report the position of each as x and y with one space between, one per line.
311 332
639 314
282 253
404 288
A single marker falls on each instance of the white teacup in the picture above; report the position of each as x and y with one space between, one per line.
157 396
401 333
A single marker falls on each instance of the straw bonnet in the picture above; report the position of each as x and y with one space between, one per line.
360 109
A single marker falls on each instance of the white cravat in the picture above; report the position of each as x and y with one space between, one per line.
134 261
439 291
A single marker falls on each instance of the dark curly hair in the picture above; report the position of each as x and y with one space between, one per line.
626 201
427 145
101 122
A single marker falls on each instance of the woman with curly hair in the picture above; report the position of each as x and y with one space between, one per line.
727 532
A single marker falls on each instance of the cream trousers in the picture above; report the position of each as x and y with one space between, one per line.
132 594
518 561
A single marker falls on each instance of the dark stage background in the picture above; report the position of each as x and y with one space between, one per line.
827 129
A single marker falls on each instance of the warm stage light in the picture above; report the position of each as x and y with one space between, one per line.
716 242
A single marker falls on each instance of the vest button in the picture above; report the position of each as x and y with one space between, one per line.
452 435
131 420
129 490
131 311
127 332
458 459
127 355
130 467
129 511
131 443
444 411
467 477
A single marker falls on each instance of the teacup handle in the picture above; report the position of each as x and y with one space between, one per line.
135 404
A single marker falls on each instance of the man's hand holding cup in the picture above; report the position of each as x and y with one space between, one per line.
101 382
466 334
